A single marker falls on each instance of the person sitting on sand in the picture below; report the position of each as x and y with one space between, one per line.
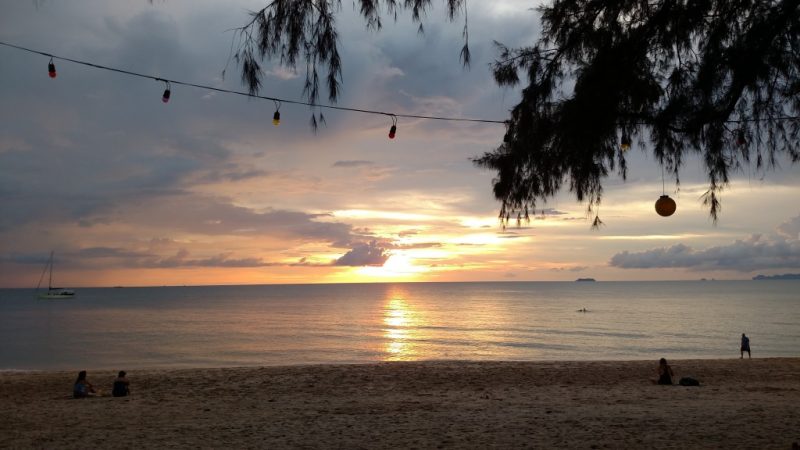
664 372
82 387
121 386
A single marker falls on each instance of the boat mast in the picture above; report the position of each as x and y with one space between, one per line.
50 282
48 266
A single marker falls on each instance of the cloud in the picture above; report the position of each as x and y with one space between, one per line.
569 269
369 171
754 253
215 216
550 212
282 73
108 252
418 245
790 229
121 257
389 72
510 235
355 163
368 254
221 260
231 174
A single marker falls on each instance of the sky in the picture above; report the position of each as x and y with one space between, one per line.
129 191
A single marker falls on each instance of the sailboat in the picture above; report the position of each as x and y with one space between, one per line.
52 292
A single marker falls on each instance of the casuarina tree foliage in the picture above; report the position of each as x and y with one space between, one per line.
719 78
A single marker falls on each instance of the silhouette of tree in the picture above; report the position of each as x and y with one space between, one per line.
305 30
718 78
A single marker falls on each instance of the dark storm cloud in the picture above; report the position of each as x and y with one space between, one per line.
367 254
218 216
755 253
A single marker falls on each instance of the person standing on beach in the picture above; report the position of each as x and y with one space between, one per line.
745 347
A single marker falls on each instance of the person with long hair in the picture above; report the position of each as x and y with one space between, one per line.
664 372
82 388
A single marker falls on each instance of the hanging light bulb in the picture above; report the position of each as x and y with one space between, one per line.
276 118
393 129
665 206
625 143
51 69
740 138
165 97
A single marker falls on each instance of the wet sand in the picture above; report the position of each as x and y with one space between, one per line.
450 404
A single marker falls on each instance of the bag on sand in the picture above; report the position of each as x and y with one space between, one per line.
688 381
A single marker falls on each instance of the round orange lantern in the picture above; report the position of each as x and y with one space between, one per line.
665 206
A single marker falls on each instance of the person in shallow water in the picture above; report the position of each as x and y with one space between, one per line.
664 372
82 388
121 387
745 347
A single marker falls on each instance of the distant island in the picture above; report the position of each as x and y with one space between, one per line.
586 279
786 276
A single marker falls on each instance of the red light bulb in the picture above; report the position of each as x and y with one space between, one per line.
740 138
165 98
51 70
392 131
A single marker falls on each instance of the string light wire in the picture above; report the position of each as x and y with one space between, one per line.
392 115
246 94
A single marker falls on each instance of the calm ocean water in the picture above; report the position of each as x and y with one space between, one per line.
354 323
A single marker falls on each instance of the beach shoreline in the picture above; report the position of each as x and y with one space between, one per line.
432 404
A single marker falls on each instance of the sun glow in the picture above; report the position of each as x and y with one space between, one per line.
373 214
400 331
399 265
479 239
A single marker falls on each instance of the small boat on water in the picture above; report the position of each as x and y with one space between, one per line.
52 292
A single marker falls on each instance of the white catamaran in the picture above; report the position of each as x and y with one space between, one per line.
52 292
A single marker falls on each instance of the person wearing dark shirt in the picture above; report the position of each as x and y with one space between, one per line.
745 347
664 372
121 386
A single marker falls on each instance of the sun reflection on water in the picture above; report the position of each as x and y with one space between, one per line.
401 328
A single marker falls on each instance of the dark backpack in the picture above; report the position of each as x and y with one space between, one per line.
688 381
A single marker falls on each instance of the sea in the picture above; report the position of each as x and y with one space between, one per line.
267 325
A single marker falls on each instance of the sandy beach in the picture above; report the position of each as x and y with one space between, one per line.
609 404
